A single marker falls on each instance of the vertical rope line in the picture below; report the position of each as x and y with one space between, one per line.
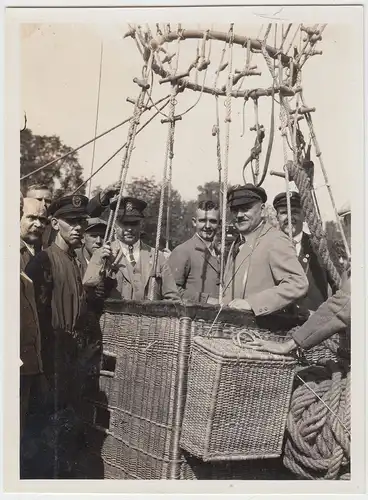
96 121
168 151
226 164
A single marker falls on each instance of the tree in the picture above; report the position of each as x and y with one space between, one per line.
63 177
147 189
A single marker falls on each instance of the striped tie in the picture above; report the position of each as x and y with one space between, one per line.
131 256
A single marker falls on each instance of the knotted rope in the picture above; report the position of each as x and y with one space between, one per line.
318 425
229 87
318 235
138 110
169 154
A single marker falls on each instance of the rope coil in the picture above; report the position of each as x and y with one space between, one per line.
318 426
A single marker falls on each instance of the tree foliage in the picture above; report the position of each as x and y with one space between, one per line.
63 177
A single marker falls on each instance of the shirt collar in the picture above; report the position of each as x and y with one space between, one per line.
298 238
209 246
250 236
136 245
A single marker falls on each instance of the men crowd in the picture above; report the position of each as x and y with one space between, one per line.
67 274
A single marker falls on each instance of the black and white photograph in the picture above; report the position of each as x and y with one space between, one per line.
186 193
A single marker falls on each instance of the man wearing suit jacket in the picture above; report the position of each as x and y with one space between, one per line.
129 262
195 264
309 260
262 273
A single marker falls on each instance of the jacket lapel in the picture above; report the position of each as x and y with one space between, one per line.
120 263
205 253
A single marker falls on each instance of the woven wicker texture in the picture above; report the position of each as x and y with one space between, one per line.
139 396
237 401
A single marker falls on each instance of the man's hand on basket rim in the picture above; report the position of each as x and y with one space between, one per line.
240 304
272 346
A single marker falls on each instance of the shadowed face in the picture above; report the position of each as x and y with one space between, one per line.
296 220
33 221
71 230
206 223
129 231
93 238
248 216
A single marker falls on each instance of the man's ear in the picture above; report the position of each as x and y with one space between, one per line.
194 221
55 224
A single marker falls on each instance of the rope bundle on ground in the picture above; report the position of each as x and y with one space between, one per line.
318 426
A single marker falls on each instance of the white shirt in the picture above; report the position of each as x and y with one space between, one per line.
136 250
298 242
208 245
250 240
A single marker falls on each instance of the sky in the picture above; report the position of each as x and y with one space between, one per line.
59 84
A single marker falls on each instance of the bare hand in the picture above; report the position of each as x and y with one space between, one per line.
240 304
272 346
109 192
106 251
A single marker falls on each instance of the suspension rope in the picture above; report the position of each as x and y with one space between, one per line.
121 147
138 110
52 162
168 160
96 121
226 162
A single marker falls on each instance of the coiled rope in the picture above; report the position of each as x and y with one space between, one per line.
318 235
318 426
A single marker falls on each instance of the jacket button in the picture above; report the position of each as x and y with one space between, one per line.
260 309
266 309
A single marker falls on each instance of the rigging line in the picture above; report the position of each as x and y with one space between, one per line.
97 115
292 41
285 36
203 84
52 162
121 148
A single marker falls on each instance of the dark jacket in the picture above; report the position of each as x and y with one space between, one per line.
316 274
196 271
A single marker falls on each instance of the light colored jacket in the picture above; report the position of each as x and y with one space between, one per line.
133 283
274 277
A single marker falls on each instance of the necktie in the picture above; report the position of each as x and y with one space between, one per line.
131 255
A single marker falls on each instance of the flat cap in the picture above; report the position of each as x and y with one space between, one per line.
70 207
95 222
131 209
280 200
248 193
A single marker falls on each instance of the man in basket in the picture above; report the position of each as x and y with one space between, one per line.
195 264
262 273
332 317
126 266
308 258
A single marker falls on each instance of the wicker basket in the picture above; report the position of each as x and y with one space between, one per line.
134 405
334 349
237 401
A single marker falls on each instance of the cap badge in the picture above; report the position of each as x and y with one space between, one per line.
129 207
76 201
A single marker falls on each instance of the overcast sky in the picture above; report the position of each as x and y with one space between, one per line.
60 68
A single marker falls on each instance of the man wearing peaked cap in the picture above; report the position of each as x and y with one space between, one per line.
61 305
130 262
93 239
308 258
262 272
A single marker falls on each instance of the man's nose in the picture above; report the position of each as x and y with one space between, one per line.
99 240
37 223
